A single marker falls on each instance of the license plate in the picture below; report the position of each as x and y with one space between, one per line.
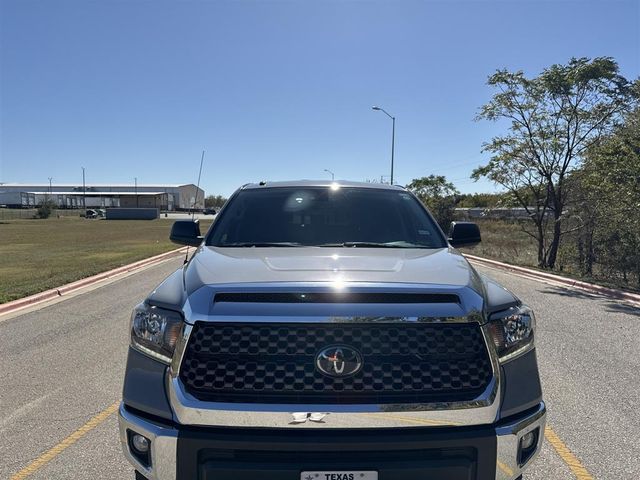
339 475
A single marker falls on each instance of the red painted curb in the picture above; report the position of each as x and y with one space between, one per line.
84 282
570 282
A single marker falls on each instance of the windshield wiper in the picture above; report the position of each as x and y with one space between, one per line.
399 244
261 244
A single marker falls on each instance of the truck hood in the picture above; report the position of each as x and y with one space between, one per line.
211 270
214 265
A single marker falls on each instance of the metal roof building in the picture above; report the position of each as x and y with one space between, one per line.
163 196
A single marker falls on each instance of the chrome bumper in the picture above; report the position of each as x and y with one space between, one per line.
508 440
164 444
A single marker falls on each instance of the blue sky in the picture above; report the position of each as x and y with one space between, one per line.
274 90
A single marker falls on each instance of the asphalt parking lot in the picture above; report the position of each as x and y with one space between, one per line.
62 366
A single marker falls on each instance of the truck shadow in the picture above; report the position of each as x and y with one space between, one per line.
611 304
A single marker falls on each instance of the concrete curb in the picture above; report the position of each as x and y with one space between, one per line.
84 282
569 282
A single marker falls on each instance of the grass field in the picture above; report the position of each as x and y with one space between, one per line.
36 255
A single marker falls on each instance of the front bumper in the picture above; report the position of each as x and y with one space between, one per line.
491 452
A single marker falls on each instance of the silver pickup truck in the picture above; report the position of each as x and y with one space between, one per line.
330 331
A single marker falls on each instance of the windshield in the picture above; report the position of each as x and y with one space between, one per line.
325 217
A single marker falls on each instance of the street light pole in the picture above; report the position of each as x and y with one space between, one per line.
393 143
393 135
332 175
135 179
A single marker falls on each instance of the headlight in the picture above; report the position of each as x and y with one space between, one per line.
512 331
155 331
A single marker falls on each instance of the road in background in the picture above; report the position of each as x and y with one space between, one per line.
186 216
64 363
589 355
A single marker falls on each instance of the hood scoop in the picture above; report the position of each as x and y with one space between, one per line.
334 263
335 297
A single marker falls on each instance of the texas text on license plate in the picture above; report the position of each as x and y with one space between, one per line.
339 475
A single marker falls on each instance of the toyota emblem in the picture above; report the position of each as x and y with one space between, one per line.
339 361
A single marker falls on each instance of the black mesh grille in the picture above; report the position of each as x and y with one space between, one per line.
275 363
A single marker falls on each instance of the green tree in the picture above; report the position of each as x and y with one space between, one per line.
214 201
438 195
45 208
553 119
610 182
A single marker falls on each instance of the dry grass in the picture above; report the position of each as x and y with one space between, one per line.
505 241
36 255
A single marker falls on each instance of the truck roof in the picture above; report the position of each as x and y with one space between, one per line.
321 183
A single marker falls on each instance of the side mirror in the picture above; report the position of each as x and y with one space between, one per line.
186 232
464 234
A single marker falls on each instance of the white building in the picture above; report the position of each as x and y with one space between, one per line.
162 196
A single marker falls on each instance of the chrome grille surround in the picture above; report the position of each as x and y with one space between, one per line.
483 409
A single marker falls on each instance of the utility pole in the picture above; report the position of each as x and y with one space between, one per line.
195 198
84 192
135 179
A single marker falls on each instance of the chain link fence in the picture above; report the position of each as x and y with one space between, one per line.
30 213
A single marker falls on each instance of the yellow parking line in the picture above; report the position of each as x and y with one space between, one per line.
504 468
56 450
566 455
